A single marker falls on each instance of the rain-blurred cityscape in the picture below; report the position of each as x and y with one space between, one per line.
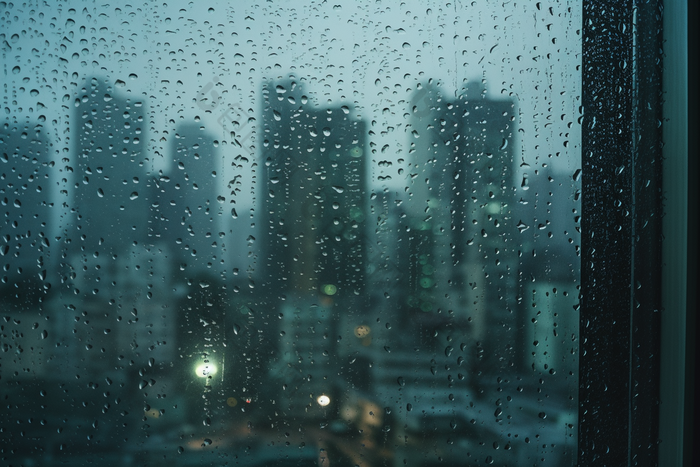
380 328
340 319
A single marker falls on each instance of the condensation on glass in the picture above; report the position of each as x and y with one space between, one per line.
290 233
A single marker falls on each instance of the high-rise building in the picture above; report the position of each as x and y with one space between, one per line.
109 209
436 156
189 215
27 238
313 200
487 250
313 196
108 256
547 217
459 211
387 260
27 199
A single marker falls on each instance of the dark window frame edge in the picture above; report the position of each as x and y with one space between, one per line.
619 373
677 321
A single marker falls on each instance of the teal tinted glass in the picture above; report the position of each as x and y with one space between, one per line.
290 233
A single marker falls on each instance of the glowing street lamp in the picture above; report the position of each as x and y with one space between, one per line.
205 370
323 400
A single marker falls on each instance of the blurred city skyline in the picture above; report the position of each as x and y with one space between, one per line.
355 224
337 272
375 58
205 162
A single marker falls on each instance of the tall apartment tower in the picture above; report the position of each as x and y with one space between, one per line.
313 195
109 209
27 202
313 200
188 216
107 248
549 218
459 210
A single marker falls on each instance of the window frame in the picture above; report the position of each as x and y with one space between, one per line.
637 327
679 323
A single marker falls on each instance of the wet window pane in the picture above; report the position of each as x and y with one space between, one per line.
290 233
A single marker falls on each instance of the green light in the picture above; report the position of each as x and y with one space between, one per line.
356 214
494 207
329 289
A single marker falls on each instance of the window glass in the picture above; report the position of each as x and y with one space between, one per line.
290 233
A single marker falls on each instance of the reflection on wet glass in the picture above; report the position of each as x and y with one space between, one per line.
290 235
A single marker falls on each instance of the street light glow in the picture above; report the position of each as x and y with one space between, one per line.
205 370
323 400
